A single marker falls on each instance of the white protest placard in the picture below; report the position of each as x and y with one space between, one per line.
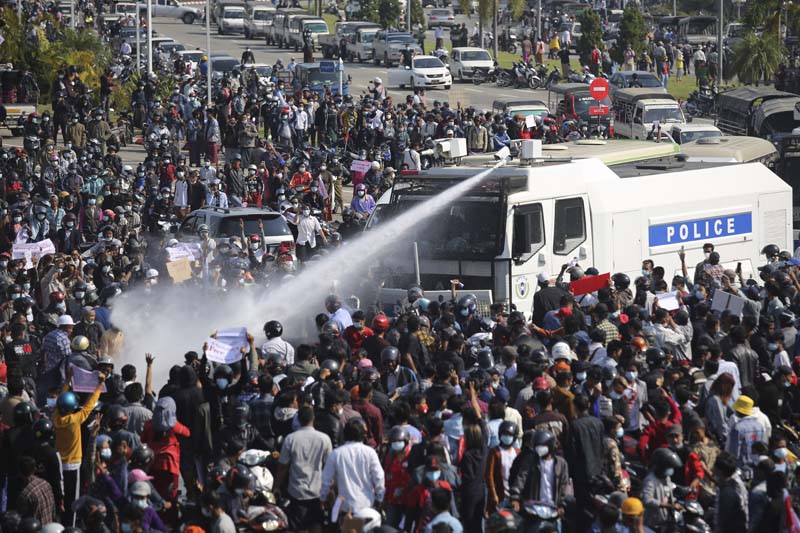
226 347
360 166
530 121
84 380
29 250
668 301
724 300
184 250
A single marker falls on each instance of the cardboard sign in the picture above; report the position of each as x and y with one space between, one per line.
29 250
668 301
589 284
227 346
724 300
184 250
84 380
360 166
180 270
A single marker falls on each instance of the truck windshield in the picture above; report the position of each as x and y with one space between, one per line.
428 62
274 226
469 229
583 103
317 27
367 37
478 55
263 15
689 136
233 14
663 115
315 77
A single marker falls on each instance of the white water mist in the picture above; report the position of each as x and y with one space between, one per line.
179 320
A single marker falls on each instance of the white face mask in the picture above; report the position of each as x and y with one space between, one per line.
542 451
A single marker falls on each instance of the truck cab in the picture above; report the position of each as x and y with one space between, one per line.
684 133
334 45
389 44
301 26
503 228
639 113
360 45
321 75
258 19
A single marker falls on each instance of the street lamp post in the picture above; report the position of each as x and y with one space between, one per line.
208 51
149 37
138 58
720 48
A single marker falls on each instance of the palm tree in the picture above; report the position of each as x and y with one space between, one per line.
757 58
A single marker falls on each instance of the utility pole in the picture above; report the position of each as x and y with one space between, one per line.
494 28
720 48
539 20
209 70
71 8
674 8
149 37
138 57
408 15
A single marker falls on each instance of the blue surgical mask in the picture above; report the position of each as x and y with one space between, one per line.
433 476
398 446
105 453
507 440
51 403
619 433
631 375
669 472
580 376
781 453
140 503
645 272
772 347
222 383
464 312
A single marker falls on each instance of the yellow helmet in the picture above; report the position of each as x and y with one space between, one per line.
79 344
632 507
204 58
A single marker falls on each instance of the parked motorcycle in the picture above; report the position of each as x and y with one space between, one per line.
701 103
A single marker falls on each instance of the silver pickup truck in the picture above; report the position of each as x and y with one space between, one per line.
388 45
333 45
361 45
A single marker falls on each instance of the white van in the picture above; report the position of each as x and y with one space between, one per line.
259 17
639 113
232 20
525 221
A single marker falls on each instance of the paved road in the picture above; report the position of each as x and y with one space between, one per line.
193 36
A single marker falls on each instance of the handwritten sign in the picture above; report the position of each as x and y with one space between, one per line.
184 250
726 301
227 346
30 250
360 166
180 270
668 301
85 380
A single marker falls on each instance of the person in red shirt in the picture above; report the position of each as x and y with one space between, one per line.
301 178
398 477
654 436
371 415
418 503
161 434
356 334
595 61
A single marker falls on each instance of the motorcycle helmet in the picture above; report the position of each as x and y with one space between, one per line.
771 251
414 294
67 403
508 428
331 365
142 457
575 273
223 375
390 353
543 442
116 417
30 525
79 344
23 414
399 433
621 281
467 305
273 329
485 359
654 357
43 430
664 459
238 478
504 521
423 304
380 323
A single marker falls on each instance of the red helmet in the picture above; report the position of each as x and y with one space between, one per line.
109 213
255 237
57 295
380 323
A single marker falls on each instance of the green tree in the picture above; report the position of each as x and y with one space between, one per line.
592 34
417 13
756 58
632 31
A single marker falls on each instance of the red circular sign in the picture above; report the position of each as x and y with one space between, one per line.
599 89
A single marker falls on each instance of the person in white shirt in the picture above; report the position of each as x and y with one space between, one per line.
667 332
300 124
215 197
275 345
439 34
356 471
207 172
307 229
411 158
779 356
125 49
338 314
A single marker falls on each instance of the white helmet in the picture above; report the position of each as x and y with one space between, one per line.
127 169
152 273
376 165
561 350
52 527
371 518
378 80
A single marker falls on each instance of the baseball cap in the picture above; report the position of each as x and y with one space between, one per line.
540 383
138 474
140 488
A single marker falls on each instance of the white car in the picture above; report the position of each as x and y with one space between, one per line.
464 61
424 72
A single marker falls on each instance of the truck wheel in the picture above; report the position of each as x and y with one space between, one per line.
376 60
386 60
219 30
460 76
247 34
188 18
359 58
